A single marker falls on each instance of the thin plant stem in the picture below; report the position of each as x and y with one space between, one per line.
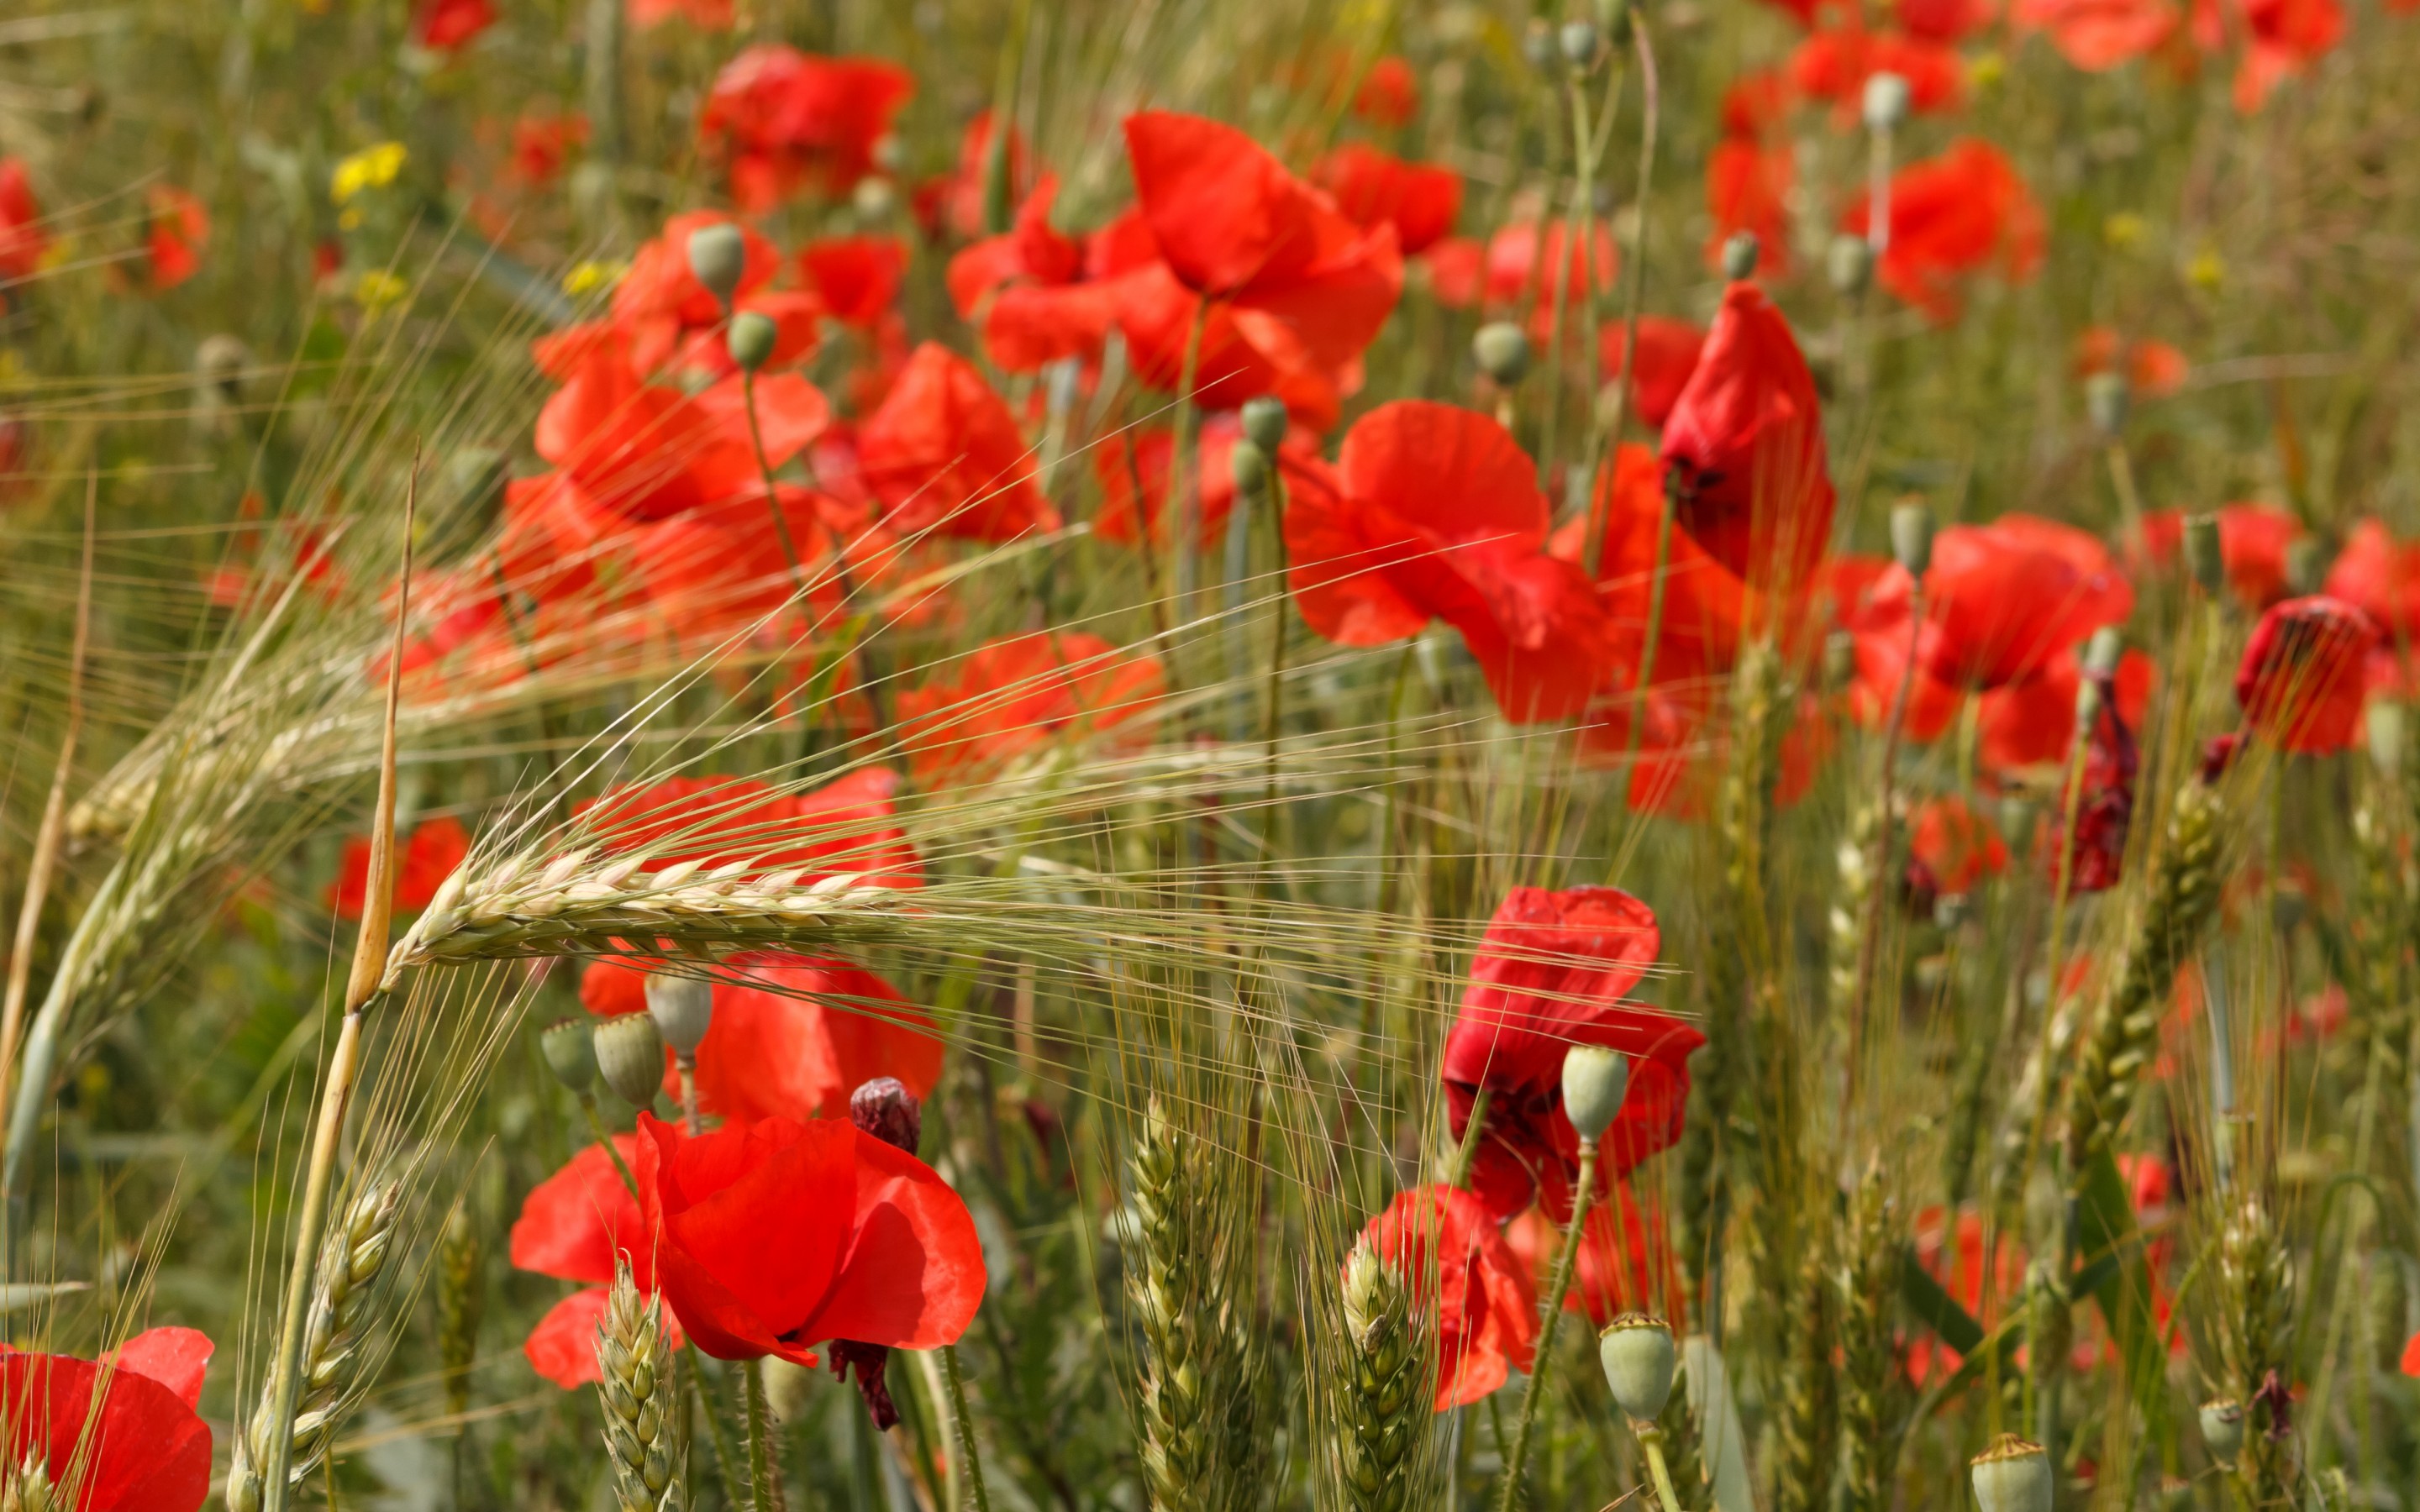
1509 1496
726 1454
764 1481
1869 933
1650 108
605 1137
690 1124
954 1379
1650 1439
1184 500
2129 500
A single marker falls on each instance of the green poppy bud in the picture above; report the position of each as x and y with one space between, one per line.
1887 97
1849 263
2385 732
568 1052
2012 1476
2222 1429
1638 1360
1265 423
2204 556
1502 349
1249 466
683 1008
2107 399
1594 1083
630 1054
1740 255
749 339
718 254
2104 652
1911 536
1578 42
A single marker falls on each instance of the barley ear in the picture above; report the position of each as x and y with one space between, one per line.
635 1363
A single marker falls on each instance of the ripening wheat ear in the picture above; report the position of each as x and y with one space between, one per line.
1384 1406
636 1391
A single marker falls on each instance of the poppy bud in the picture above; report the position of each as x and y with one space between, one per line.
1579 41
1840 661
1594 1083
2386 731
2012 1476
1249 466
2222 1429
2203 555
1740 255
2017 822
1886 101
682 1008
873 199
631 1056
718 254
2106 399
2306 566
569 1053
2102 653
884 1109
1637 1354
1613 18
1502 350
1911 533
1265 423
1851 264
1538 46
749 339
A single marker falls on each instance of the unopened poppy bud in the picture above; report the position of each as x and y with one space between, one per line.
569 1053
1249 466
683 1008
1840 661
1849 262
1594 1083
1538 45
1740 255
630 1055
2012 1476
1579 41
718 254
749 339
873 199
1911 536
2222 1429
1638 1356
2204 556
1886 101
1502 349
884 1109
2386 731
2104 652
2107 399
1265 423
2306 566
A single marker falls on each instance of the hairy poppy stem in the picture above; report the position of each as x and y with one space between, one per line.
1592 552
764 1481
1508 1495
726 1454
972 1475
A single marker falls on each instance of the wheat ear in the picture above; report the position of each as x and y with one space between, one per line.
1171 1294
636 1391
461 1302
1384 1405
1870 1369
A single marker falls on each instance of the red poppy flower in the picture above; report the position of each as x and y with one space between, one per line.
2302 678
1835 65
1485 1307
2287 37
176 228
2103 798
793 1039
952 204
1944 21
1389 95
1667 354
1952 1255
1016 694
1438 516
2097 35
23 241
2253 539
2380 576
573 1226
1132 467
2002 600
2032 723
1747 190
857 277
1549 974
782 119
1374 189
1520 262
1706 608
661 313
543 144
1044 296
430 856
776 1235
2154 369
1868 595
140 1449
945 454
1624 1265
846 826
705 15
445 26
1751 482
1953 217
1955 844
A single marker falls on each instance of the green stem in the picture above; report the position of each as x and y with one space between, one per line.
1184 500
764 1481
1650 1439
1654 633
956 1380
605 1137
1509 1496
726 1455
1649 107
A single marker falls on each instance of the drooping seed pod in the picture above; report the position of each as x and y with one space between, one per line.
2222 1429
1249 468
2012 1476
751 339
1639 1359
718 255
2107 400
630 1055
1579 41
635 1364
1595 1082
683 1008
1849 264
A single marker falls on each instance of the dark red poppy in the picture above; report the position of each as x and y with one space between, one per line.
2153 370
1667 354
1750 480
1389 95
574 1226
2380 576
176 231
1374 189
430 856
2302 679
2032 723
1835 65
1626 1262
1549 974
781 120
140 1449
2002 600
445 26
945 454
857 277
1955 844
1438 516
2099 35
1944 21
1013 696
2104 799
1953 217
846 826
776 1235
22 239
1485 1305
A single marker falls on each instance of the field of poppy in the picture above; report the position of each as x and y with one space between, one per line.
1376 758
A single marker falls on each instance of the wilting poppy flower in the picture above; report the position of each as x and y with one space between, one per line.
1667 354
943 453
1956 845
2253 539
23 241
2003 599
847 824
782 119
430 856
1015 695
793 1038
2287 37
776 1235
1389 95
1373 188
1624 1265
573 1226
2032 723
444 26
141 1447
857 277
1485 1306
2380 576
1438 516
2097 35
2153 370
1549 974
2301 680
1944 21
1952 217
1749 479
1835 65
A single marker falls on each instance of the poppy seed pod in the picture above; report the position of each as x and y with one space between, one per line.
2384 728
1849 263
1911 536
683 1008
2222 1429
1740 255
884 1109
2306 566
2104 652
2107 399
1887 97
2012 1476
1578 42
1502 351
569 1053
1638 1356
1265 423
2204 557
1594 1083
1249 466
749 339
716 255
630 1054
